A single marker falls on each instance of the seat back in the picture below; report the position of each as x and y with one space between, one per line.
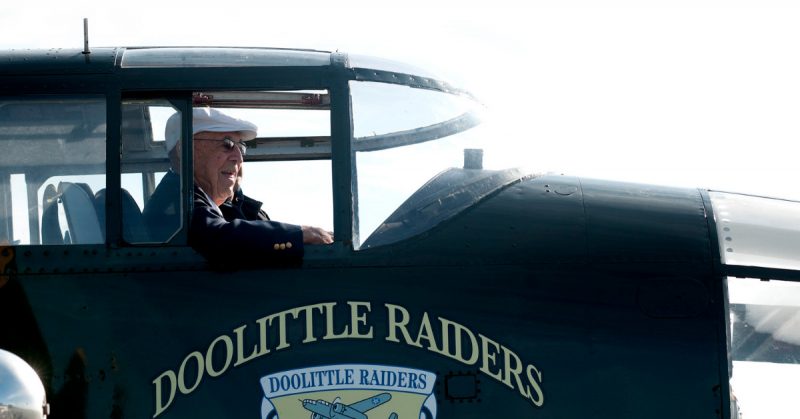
134 229
83 224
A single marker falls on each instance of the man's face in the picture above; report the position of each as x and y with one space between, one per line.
216 167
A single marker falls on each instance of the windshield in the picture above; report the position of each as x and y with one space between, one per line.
394 128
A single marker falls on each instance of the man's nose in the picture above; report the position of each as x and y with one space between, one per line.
236 154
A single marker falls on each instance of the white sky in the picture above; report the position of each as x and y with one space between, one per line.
689 93
694 93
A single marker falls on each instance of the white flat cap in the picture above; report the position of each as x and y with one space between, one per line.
209 120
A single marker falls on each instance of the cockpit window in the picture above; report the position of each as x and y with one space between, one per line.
288 166
380 109
288 170
383 64
221 57
52 166
765 345
151 173
394 127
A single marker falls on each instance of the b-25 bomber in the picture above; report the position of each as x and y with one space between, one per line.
450 290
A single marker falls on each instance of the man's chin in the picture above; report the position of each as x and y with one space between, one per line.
221 194
226 183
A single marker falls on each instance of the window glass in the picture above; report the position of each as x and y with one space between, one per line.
18 224
765 346
222 57
151 172
405 137
51 169
365 61
380 108
757 231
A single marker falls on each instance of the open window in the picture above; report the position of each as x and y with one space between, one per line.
287 166
52 169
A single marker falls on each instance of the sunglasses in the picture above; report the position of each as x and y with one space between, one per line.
228 143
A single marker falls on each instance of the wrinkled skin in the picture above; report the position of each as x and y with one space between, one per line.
216 169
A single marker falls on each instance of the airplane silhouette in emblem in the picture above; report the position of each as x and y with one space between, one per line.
320 409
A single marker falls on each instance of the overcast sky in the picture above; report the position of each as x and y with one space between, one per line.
694 93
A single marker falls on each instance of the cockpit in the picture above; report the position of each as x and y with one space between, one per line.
59 165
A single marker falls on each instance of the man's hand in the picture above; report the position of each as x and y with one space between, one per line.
316 235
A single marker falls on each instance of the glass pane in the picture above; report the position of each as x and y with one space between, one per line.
393 171
380 108
376 63
19 211
757 231
51 168
765 346
150 157
222 57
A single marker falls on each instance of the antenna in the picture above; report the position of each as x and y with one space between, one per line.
473 158
86 36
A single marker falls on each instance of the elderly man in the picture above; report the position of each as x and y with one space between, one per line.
242 229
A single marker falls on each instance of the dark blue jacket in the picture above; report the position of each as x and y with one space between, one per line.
236 233
239 241
244 207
